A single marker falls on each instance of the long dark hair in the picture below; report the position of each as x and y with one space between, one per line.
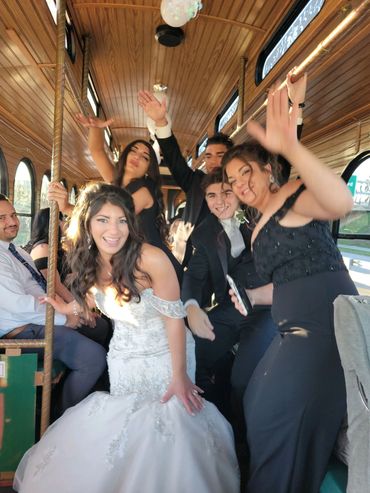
247 152
84 258
40 227
154 174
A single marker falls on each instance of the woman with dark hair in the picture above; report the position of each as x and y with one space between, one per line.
153 433
137 170
91 324
296 400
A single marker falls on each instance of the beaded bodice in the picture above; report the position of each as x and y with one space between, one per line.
283 254
139 359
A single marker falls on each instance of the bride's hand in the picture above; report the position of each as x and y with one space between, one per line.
60 306
188 393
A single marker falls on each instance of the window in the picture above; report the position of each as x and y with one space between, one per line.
108 137
69 40
353 231
201 147
24 199
3 174
44 190
297 20
73 195
227 113
92 96
189 161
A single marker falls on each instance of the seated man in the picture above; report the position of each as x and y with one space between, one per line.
22 316
221 245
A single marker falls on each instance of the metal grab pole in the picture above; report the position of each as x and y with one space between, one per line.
321 47
54 212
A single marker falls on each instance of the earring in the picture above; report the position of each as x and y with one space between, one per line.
89 242
271 179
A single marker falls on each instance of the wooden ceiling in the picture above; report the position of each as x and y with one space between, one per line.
200 74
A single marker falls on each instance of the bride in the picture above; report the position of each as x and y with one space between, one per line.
153 433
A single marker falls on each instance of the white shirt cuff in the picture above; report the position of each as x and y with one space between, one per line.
163 132
190 302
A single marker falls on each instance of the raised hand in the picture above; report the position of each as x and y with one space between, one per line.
92 121
297 89
280 134
188 393
153 108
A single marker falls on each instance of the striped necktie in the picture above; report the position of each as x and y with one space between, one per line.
36 275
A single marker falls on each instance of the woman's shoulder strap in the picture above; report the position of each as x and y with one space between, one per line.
289 202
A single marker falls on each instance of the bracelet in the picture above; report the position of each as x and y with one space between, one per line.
75 309
300 105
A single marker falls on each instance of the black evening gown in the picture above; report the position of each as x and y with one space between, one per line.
296 399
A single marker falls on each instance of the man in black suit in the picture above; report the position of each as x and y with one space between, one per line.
221 245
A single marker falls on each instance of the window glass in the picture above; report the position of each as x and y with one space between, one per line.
356 251
293 25
228 112
44 191
201 147
189 161
73 195
24 200
92 96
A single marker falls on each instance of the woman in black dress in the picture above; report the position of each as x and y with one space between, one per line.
137 170
295 401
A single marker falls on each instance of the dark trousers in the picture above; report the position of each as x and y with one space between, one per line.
214 359
85 359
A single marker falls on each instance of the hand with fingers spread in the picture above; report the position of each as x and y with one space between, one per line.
280 135
187 392
154 109
92 121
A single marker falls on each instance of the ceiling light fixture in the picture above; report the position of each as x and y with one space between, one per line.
176 13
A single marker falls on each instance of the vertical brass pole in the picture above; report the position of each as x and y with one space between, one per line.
85 73
54 212
241 91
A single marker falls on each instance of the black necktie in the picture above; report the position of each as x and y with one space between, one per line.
34 273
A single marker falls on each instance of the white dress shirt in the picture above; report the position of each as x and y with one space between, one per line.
19 293
231 227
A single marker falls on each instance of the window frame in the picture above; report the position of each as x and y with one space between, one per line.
283 27
4 175
225 109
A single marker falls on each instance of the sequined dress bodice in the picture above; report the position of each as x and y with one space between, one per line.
139 357
283 254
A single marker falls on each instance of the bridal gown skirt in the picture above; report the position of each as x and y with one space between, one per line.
128 441
109 444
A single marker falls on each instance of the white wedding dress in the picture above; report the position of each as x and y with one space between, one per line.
128 441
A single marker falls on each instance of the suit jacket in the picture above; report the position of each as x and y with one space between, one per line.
189 181
211 261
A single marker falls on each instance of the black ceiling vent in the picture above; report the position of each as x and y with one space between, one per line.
169 36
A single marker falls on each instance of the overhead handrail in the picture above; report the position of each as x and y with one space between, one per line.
320 48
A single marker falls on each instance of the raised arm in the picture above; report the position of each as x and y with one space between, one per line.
96 144
166 287
327 196
172 155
